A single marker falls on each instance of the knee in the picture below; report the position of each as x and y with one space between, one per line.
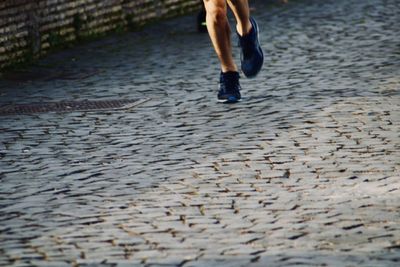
216 10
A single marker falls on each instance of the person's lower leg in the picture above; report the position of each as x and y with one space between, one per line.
241 10
219 31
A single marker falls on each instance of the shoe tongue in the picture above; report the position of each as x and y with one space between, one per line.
230 74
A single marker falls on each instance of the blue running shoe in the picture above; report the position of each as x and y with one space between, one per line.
229 87
251 56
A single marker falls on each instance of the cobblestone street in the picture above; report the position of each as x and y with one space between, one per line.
305 171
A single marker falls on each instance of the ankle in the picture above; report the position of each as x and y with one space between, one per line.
244 28
230 76
225 69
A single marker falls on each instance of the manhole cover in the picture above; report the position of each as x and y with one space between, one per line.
69 106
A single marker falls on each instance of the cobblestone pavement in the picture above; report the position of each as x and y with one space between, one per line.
304 172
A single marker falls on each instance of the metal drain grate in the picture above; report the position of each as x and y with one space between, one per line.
69 106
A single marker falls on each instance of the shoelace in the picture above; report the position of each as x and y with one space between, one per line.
229 85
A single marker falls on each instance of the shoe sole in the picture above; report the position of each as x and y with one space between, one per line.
227 101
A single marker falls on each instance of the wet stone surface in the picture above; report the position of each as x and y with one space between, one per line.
304 172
